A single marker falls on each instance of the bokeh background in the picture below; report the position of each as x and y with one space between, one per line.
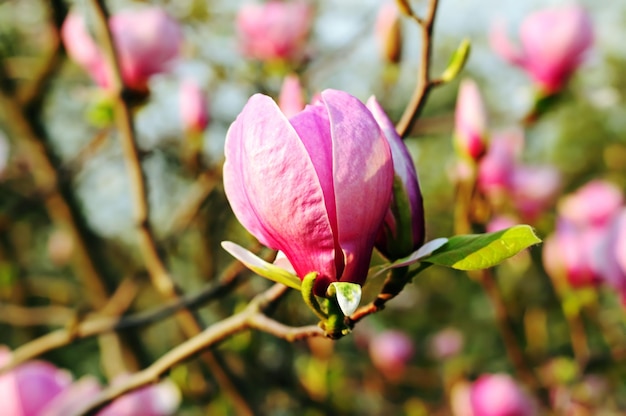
445 314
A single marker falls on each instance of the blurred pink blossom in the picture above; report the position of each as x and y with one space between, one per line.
194 106
388 32
499 395
553 44
143 49
291 98
390 352
534 189
446 343
501 222
276 30
470 128
28 388
594 204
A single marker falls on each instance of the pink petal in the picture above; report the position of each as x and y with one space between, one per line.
363 178
274 190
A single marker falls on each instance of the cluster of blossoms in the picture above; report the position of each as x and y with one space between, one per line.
325 185
501 176
588 245
38 388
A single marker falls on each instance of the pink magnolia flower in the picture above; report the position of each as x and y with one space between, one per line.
553 44
299 185
499 395
276 30
146 40
194 107
495 171
390 352
388 33
403 230
28 388
470 129
291 98
162 399
446 343
534 189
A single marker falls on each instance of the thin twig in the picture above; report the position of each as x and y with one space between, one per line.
424 83
249 318
99 324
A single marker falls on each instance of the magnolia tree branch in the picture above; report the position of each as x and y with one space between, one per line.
104 322
424 83
160 276
252 317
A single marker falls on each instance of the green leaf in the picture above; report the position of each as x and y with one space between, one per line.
261 267
481 251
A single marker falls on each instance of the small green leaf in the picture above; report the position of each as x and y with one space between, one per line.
424 251
481 251
457 61
261 267
348 296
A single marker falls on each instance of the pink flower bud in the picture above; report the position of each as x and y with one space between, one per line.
403 230
388 32
446 343
390 352
28 388
553 44
276 30
291 98
143 49
194 107
496 168
470 130
499 395
299 185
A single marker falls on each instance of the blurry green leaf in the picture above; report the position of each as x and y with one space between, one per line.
481 251
101 112
261 267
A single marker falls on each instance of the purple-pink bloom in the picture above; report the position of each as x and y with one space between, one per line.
143 49
403 231
276 30
316 186
553 44
594 204
534 189
470 122
499 395
194 106
28 388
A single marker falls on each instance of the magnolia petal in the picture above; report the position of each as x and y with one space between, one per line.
348 296
261 267
265 158
365 179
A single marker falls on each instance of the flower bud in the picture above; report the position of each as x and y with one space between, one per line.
276 30
194 107
299 185
143 49
470 130
553 44
291 98
388 32
403 230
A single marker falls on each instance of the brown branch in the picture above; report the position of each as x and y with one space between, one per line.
249 318
424 83
98 324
